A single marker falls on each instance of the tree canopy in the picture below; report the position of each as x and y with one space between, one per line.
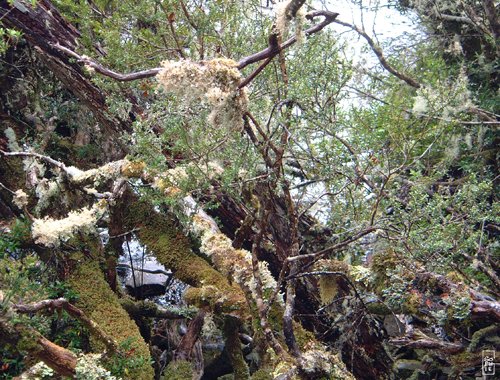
322 199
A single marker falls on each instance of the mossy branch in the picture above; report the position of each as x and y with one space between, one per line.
63 304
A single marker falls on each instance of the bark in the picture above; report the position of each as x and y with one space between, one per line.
44 28
183 351
27 339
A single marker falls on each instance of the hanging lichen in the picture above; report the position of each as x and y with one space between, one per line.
214 83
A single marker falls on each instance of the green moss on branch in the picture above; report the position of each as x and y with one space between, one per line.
101 305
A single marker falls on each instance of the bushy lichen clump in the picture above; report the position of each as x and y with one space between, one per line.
101 305
236 263
212 82
51 232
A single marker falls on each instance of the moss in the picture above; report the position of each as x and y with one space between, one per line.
378 308
413 303
133 169
100 304
479 335
178 370
302 336
233 348
383 262
455 277
465 360
262 374
172 249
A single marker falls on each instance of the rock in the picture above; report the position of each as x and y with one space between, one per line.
148 284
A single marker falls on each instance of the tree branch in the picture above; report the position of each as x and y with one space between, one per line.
428 343
380 55
271 52
107 72
63 304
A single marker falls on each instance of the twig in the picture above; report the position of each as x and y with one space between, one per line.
333 248
107 72
6 188
272 52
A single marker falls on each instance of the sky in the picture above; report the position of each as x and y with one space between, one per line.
381 22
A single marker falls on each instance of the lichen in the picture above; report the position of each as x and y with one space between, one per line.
283 18
88 367
12 140
98 175
20 198
46 191
214 83
234 263
51 232
37 372
133 169
317 361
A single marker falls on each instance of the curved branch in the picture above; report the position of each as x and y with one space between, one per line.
272 51
380 55
107 72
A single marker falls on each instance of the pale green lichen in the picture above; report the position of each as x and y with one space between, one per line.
12 140
88 367
283 18
98 175
38 372
46 191
51 232
214 83
210 329
172 180
20 198
236 263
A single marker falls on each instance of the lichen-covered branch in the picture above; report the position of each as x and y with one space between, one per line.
271 51
173 249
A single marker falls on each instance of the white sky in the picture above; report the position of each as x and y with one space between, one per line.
382 23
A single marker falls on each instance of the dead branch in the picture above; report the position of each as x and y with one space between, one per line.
183 351
428 343
107 72
333 248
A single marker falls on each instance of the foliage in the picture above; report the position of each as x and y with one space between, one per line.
323 148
